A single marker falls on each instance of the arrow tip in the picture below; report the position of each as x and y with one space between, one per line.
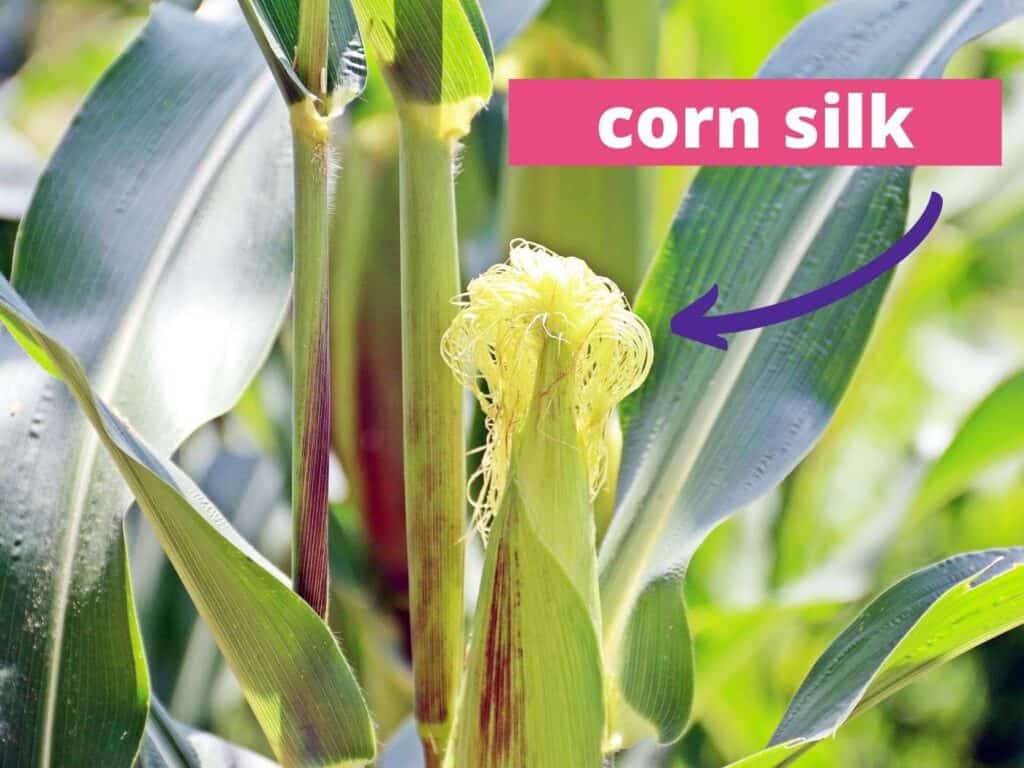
692 322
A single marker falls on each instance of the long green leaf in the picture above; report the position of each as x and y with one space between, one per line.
157 243
710 432
993 433
181 653
169 744
925 620
288 663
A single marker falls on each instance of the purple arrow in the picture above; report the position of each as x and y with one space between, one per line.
694 323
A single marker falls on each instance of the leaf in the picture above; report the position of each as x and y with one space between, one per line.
157 243
657 647
929 618
181 653
993 433
169 744
865 470
275 24
288 663
710 432
436 55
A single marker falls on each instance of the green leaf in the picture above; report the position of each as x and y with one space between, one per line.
157 243
993 433
710 432
288 663
659 646
181 653
275 24
929 618
436 55
169 744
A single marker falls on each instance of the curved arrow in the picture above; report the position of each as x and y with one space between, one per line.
694 323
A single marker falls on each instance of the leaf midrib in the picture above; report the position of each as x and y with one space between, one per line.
114 364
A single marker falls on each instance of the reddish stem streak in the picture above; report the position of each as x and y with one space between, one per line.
312 573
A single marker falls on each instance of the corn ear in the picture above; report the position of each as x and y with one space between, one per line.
557 348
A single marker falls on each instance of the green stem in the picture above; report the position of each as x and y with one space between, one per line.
435 483
311 52
311 404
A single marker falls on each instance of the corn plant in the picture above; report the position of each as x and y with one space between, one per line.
284 188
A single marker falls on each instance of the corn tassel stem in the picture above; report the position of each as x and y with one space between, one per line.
433 436
311 404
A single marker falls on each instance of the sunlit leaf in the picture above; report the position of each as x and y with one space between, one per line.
993 433
157 246
927 619
288 663
710 432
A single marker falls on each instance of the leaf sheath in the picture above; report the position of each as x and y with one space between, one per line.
312 363
435 479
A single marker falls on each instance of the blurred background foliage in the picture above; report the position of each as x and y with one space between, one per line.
771 586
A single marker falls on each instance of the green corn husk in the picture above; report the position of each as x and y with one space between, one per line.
557 348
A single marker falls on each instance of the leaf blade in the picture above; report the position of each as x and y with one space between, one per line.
288 663
926 619
763 235
992 433
127 250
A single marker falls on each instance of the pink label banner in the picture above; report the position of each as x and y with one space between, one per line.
755 122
